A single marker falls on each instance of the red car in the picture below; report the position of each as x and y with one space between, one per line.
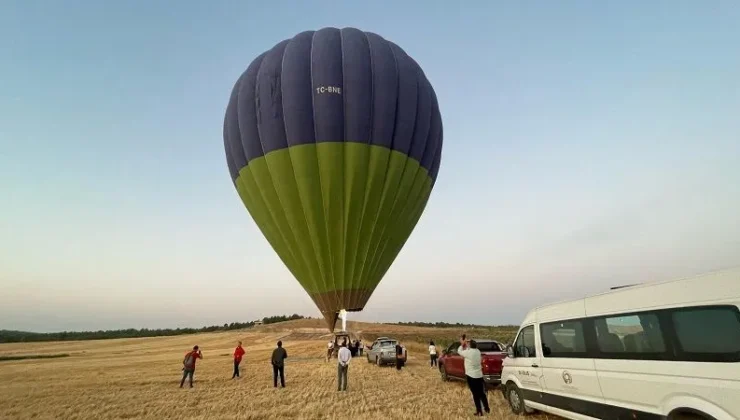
452 365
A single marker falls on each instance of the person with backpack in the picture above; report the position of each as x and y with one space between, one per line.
238 353
278 364
343 359
188 365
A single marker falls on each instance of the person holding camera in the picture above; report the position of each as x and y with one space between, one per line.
474 374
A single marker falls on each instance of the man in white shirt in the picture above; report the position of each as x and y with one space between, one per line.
329 350
474 374
343 359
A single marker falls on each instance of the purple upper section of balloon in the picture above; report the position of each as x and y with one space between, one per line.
333 85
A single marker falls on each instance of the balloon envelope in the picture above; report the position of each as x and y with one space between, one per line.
333 139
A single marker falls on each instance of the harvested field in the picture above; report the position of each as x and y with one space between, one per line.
139 378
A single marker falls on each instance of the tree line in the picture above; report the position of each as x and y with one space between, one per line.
450 325
9 336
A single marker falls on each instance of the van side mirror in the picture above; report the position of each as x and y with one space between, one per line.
510 351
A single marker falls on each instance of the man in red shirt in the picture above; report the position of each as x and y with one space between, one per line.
238 353
188 365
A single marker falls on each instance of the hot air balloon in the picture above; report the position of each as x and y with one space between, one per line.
333 139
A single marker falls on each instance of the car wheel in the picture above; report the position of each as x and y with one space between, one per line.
377 361
515 399
443 373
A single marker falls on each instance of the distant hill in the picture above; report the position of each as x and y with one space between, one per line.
441 332
409 332
11 336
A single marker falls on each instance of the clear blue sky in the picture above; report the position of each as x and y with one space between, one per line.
587 144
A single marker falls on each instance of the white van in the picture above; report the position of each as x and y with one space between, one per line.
652 351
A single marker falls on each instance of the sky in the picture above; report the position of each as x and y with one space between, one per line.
586 145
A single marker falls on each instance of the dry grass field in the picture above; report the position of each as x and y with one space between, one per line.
139 378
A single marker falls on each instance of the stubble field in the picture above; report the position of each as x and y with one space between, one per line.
139 379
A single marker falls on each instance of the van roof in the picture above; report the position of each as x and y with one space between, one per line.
729 278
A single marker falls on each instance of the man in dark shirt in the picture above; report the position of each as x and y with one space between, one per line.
188 363
278 364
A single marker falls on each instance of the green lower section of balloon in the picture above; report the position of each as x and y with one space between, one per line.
337 213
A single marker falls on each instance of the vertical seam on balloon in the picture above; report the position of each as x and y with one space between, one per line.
269 234
228 138
292 169
385 174
438 152
401 221
415 215
421 79
250 167
227 148
321 181
340 296
356 281
398 210
376 256
272 180
437 149
431 116
229 161
404 208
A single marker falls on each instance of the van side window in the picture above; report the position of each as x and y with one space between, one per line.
636 333
708 332
562 339
524 346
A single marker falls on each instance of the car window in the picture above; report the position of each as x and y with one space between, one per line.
708 330
638 333
452 349
562 339
488 346
524 345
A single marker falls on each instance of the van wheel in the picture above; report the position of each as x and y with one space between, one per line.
443 373
515 399
686 416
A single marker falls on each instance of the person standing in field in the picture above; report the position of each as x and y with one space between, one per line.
474 374
188 365
329 350
400 356
278 364
238 353
432 354
343 358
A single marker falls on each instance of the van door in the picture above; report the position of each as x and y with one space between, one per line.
571 382
526 364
